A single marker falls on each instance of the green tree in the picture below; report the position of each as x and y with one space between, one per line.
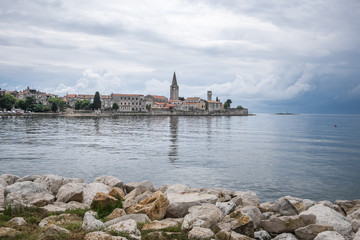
148 107
21 103
39 107
217 99
91 106
115 106
78 105
97 101
61 104
30 103
227 104
85 104
7 101
239 107
54 107
181 98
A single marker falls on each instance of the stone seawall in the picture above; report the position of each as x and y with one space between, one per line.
142 211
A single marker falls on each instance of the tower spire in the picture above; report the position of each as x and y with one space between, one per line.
174 82
174 89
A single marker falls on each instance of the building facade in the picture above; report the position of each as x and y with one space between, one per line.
129 102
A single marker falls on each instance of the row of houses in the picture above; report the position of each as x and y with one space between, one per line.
141 103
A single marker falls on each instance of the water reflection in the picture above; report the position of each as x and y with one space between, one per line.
173 152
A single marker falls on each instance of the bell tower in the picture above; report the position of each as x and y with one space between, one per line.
174 89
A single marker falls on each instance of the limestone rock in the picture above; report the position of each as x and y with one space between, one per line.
354 215
223 195
226 207
254 213
327 216
90 223
53 182
162 224
285 223
181 202
40 199
248 198
3 183
347 205
102 236
104 201
284 207
200 233
231 235
70 192
139 218
333 206
117 193
206 216
110 181
53 232
238 222
154 206
60 220
177 188
9 178
262 235
2 198
62 207
128 226
7 232
285 236
357 236
17 221
355 223
311 231
163 188
329 235
30 178
91 189
266 207
142 186
118 212
24 188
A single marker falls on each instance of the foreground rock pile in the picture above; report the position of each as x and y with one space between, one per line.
199 213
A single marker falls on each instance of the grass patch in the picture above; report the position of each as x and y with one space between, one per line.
121 234
80 212
103 212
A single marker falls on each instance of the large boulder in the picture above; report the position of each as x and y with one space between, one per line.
248 198
9 178
70 192
200 233
139 218
2 198
154 206
254 213
7 232
142 186
54 232
348 206
90 223
162 224
285 207
117 193
53 182
262 235
102 236
30 178
17 221
354 215
357 236
117 212
327 216
62 207
227 234
287 224
104 201
206 216
238 222
311 231
329 235
177 188
333 206
181 202
224 195
128 226
109 181
226 207
91 189
60 220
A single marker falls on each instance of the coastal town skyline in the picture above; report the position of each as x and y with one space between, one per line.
301 56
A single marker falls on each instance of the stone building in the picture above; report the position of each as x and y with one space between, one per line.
211 105
177 104
129 102
174 89
193 103
40 97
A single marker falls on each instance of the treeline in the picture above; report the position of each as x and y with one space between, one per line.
8 101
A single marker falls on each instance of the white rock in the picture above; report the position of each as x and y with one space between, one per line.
284 207
62 207
355 223
139 218
205 216
2 198
142 186
90 223
25 188
354 215
30 178
102 236
327 216
53 182
309 232
91 190
357 236
329 235
286 236
53 231
9 178
200 233
331 205
3 183
262 235
226 207
254 213
19 221
181 202
177 188
128 226
248 198
70 192
110 181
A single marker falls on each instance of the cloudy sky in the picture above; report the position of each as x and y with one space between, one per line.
268 55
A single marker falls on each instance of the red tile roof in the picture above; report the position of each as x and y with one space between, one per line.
156 96
126 95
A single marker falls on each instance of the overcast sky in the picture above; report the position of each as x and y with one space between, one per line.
269 56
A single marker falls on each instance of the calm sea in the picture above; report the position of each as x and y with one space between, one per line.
300 155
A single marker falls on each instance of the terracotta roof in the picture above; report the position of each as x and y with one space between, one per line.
127 95
193 99
70 95
105 96
171 105
175 101
160 103
213 102
156 96
189 103
84 96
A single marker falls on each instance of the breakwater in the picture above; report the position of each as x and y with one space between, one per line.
139 210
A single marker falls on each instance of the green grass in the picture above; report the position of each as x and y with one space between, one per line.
103 212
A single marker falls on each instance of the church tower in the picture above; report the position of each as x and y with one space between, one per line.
174 89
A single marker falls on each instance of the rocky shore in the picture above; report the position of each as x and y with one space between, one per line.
55 207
